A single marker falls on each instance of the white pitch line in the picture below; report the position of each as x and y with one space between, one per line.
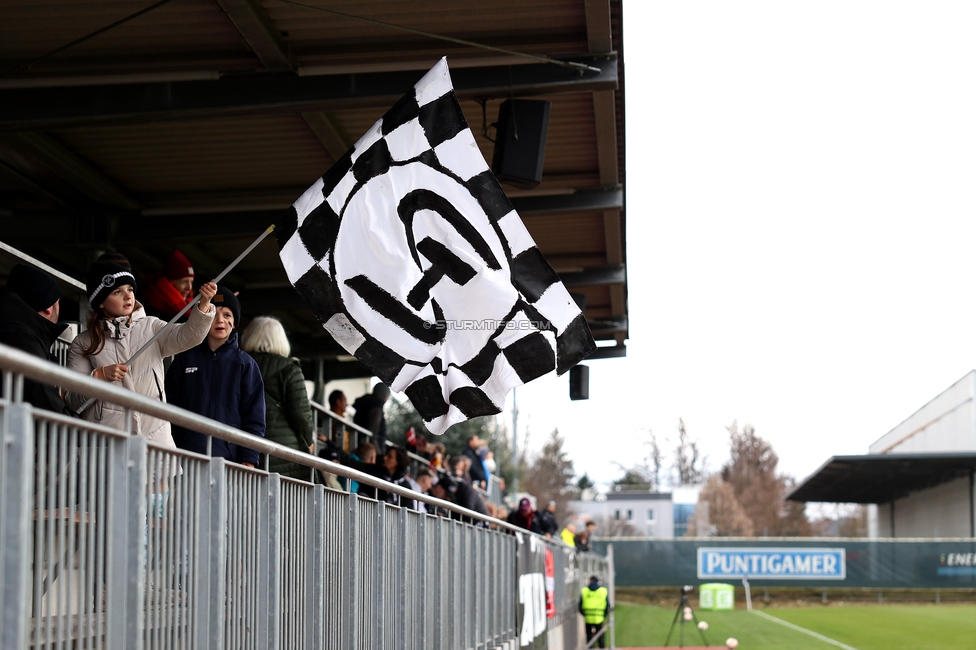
826 639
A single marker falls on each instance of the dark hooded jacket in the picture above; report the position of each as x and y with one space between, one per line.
369 415
224 385
23 328
466 497
527 519
477 470
289 413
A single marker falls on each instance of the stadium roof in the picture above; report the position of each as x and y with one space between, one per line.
881 478
193 123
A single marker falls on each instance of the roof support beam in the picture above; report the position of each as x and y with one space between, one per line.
38 108
188 224
42 160
599 32
254 26
594 277
28 185
327 130
599 37
608 352
605 326
581 200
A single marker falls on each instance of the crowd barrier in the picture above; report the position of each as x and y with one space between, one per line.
109 541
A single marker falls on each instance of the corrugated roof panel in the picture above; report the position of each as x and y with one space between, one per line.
263 151
558 25
30 29
559 234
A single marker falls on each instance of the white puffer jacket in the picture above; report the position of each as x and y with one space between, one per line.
123 337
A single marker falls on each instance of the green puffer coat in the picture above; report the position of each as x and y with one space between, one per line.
289 416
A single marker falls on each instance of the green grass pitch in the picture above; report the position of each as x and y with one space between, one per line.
864 627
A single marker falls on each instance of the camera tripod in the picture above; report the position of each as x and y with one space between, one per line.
679 615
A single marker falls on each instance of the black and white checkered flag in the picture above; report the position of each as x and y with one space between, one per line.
411 256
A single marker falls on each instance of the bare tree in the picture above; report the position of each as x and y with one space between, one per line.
751 472
689 462
655 460
719 513
646 474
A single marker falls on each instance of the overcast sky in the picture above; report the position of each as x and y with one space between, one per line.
801 240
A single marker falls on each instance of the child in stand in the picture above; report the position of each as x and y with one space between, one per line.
117 328
220 381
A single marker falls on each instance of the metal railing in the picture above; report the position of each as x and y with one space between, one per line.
107 540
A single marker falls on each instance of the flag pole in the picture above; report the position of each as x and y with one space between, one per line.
196 299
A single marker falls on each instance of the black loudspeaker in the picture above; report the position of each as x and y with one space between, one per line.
520 141
579 382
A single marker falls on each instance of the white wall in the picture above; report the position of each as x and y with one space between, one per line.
945 424
942 511
661 526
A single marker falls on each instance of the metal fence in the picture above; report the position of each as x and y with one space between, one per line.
797 562
109 541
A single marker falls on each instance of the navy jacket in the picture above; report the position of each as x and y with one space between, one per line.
223 385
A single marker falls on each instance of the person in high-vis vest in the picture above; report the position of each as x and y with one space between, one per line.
568 535
595 607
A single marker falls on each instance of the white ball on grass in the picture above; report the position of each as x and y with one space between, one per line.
702 626
687 613
731 643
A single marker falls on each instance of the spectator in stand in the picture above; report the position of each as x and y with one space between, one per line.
525 517
123 261
392 468
547 519
338 403
417 444
423 483
590 528
29 310
165 293
288 411
488 462
116 330
476 470
460 493
220 381
425 479
568 535
335 431
364 453
583 541
437 452
369 414
460 466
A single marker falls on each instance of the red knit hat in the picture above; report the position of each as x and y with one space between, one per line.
177 266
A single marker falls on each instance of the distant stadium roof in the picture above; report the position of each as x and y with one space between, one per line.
881 478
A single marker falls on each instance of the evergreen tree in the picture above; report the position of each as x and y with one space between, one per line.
401 415
550 476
